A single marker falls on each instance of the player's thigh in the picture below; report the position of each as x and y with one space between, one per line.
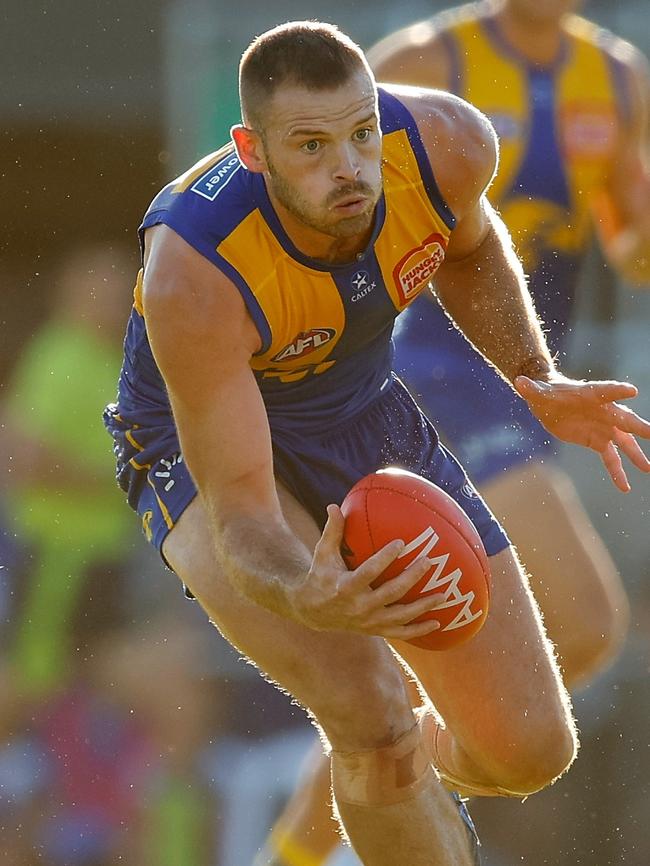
351 683
572 574
501 692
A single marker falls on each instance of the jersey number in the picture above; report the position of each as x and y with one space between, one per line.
299 373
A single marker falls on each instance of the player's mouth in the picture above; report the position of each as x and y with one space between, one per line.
351 205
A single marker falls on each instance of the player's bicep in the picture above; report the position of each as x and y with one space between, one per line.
202 340
463 150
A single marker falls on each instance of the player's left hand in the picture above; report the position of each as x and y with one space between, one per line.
585 413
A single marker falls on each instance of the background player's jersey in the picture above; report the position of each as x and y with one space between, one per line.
558 128
325 330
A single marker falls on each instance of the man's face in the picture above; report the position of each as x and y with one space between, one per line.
543 10
323 155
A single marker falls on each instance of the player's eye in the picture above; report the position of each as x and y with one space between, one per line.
363 134
311 146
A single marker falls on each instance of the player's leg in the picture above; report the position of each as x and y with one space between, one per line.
387 794
576 586
508 723
306 831
508 720
572 575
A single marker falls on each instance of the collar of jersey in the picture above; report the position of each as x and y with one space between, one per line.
268 212
495 35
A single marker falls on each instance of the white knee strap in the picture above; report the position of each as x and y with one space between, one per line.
384 776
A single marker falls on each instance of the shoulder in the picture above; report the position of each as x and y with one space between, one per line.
420 53
207 201
459 140
617 50
630 69
412 54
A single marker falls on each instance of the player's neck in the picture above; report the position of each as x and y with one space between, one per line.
316 244
538 41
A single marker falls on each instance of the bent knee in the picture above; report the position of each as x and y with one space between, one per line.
540 757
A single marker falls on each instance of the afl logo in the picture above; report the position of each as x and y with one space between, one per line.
305 343
469 491
417 267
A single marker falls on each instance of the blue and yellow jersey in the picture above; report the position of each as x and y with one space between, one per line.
558 128
325 330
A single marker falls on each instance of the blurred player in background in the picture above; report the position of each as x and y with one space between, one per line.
56 467
569 103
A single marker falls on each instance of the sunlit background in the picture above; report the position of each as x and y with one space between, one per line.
129 732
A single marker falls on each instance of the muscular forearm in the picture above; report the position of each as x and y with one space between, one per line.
264 561
486 295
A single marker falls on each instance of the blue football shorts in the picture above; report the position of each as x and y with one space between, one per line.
487 426
316 469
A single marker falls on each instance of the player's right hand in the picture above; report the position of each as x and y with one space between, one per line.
333 598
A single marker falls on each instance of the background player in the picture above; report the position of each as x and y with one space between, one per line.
307 193
569 102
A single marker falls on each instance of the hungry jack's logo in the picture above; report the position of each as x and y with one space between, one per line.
417 267
588 131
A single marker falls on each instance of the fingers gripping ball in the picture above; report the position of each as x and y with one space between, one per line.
394 503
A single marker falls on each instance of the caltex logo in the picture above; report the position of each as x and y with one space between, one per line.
360 280
362 285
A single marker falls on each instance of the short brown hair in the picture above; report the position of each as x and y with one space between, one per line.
311 54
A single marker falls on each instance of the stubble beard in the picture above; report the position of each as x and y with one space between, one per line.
327 224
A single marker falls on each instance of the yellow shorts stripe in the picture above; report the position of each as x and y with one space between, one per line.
137 465
163 508
135 444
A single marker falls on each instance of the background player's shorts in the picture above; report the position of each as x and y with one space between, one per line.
488 427
316 469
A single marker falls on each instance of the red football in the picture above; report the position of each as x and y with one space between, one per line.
394 503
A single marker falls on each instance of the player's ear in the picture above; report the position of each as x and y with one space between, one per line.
250 151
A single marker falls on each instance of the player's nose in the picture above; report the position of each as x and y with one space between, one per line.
347 166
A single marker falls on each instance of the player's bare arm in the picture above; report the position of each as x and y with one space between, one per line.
624 222
203 339
482 285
